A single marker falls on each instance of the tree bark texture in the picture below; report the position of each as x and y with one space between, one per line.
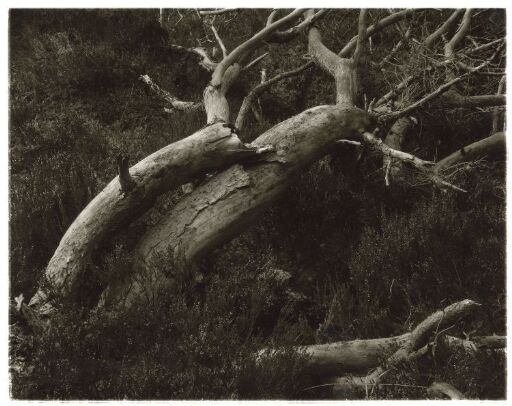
221 208
211 148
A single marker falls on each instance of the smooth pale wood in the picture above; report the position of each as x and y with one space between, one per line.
440 389
350 356
209 149
342 69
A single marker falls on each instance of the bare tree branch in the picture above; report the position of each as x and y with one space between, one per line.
248 45
373 29
264 85
492 144
217 11
284 36
344 70
254 61
429 41
437 172
440 90
174 102
396 48
271 17
496 111
361 37
206 62
449 48
219 41
417 339
396 90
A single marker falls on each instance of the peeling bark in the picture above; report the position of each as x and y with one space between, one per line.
219 209
211 148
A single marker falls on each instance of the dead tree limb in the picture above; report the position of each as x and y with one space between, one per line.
209 149
219 41
416 340
443 29
174 102
441 389
379 26
496 112
217 11
259 89
490 145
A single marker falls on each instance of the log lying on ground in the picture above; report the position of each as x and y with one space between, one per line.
211 148
219 209
355 356
360 356
487 146
417 339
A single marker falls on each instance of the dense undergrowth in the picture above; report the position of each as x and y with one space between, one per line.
339 256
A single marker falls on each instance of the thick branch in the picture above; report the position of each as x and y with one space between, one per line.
291 33
490 145
417 339
395 139
248 46
125 178
272 17
496 112
454 99
450 47
443 29
361 37
342 69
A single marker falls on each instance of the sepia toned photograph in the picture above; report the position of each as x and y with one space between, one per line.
257 204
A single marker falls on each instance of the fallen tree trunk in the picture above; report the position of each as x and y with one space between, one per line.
359 356
490 145
219 209
417 339
211 148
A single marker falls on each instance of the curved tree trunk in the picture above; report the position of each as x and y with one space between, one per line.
211 148
219 209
